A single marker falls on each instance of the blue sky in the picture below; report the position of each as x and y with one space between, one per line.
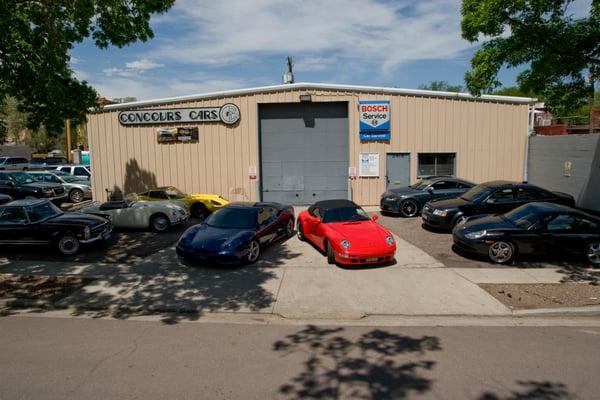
205 46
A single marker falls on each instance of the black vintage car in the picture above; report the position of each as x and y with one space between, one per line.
533 229
21 185
409 200
496 197
39 222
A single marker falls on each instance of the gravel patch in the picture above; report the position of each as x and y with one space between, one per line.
47 288
544 295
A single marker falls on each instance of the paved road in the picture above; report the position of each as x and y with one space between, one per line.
57 358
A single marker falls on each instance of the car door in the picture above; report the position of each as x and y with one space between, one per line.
562 234
7 186
312 222
442 190
267 225
14 226
500 201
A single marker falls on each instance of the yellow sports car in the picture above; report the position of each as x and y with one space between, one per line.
200 205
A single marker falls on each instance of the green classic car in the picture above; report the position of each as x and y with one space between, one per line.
77 189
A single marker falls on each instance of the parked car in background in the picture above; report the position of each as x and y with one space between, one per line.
346 233
158 216
4 198
47 162
14 163
39 222
77 190
21 185
543 229
200 205
63 174
76 170
236 233
409 200
496 197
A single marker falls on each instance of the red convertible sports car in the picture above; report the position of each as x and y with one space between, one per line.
346 233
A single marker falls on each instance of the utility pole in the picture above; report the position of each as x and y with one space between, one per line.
592 98
288 77
68 134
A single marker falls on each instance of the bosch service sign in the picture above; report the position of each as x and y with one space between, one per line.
374 117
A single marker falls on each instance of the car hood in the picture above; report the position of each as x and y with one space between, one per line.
76 219
488 223
213 239
363 234
448 203
401 191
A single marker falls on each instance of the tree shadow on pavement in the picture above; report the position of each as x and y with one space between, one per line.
370 367
535 390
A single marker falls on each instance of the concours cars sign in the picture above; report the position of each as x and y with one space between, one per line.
374 117
228 114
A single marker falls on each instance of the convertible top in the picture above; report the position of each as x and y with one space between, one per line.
331 204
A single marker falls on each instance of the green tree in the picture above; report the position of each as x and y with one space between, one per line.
14 120
441 86
35 41
561 53
514 91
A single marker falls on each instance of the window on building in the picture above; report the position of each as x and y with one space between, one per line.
436 164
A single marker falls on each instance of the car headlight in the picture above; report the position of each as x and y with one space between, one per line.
476 235
390 240
345 244
87 232
440 213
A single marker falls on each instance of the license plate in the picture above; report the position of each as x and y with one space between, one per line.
373 259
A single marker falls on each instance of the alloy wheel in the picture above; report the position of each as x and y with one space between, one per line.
254 251
409 208
289 228
300 232
160 223
593 253
76 196
501 252
68 245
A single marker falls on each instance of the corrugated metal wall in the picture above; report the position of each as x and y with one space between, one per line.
488 138
546 166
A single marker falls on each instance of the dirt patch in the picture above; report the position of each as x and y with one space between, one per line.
544 295
48 288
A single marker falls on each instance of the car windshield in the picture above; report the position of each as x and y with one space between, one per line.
345 214
22 177
476 192
175 193
523 217
421 184
42 212
234 218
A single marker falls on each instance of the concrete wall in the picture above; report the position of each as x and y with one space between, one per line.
487 136
546 166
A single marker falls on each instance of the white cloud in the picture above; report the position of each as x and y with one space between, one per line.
311 64
142 65
381 34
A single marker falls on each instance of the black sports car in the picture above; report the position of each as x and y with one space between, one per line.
236 233
21 185
536 229
409 200
39 222
495 197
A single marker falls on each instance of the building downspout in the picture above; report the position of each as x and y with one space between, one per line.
530 132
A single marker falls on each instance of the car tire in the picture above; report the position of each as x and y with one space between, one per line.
289 228
300 232
593 253
502 252
159 223
253 253
329 252
409 208
199 211
68 245
76 196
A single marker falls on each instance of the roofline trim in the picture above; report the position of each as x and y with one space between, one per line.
308 86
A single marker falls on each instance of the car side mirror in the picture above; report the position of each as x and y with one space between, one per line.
430 190
10 184
374 217
490 201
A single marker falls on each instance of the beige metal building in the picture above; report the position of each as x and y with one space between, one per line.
298 143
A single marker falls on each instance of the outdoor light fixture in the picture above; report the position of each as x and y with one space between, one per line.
305 97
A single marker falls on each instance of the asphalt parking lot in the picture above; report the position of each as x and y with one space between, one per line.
439 245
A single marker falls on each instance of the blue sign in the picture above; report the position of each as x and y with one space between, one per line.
374 119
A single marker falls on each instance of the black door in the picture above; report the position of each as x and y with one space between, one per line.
500 202
13 226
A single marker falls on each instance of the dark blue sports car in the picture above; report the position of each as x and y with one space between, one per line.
409 200
236 233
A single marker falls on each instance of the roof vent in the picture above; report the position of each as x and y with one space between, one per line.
288 77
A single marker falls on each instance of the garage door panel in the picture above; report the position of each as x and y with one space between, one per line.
307 144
